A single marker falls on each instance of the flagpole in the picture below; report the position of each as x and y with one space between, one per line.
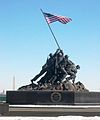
51 30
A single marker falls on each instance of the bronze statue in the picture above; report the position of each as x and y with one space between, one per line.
57 69
58 73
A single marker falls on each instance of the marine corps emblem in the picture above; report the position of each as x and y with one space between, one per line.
56 97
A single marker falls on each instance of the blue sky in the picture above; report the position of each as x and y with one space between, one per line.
26 41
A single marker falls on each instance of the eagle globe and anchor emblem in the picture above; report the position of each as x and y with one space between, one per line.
56 97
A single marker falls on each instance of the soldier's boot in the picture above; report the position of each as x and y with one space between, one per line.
32 81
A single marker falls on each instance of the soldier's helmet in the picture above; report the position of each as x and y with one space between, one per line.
66 56
77 66
50 55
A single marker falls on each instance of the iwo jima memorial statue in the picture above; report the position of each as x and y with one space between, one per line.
55 83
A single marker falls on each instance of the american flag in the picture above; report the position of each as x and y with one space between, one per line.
53 18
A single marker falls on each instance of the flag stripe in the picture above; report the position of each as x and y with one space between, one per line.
53 18
50 20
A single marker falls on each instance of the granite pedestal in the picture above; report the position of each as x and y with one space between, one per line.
52 97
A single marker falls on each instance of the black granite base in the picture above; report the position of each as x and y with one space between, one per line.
87 97
52 97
